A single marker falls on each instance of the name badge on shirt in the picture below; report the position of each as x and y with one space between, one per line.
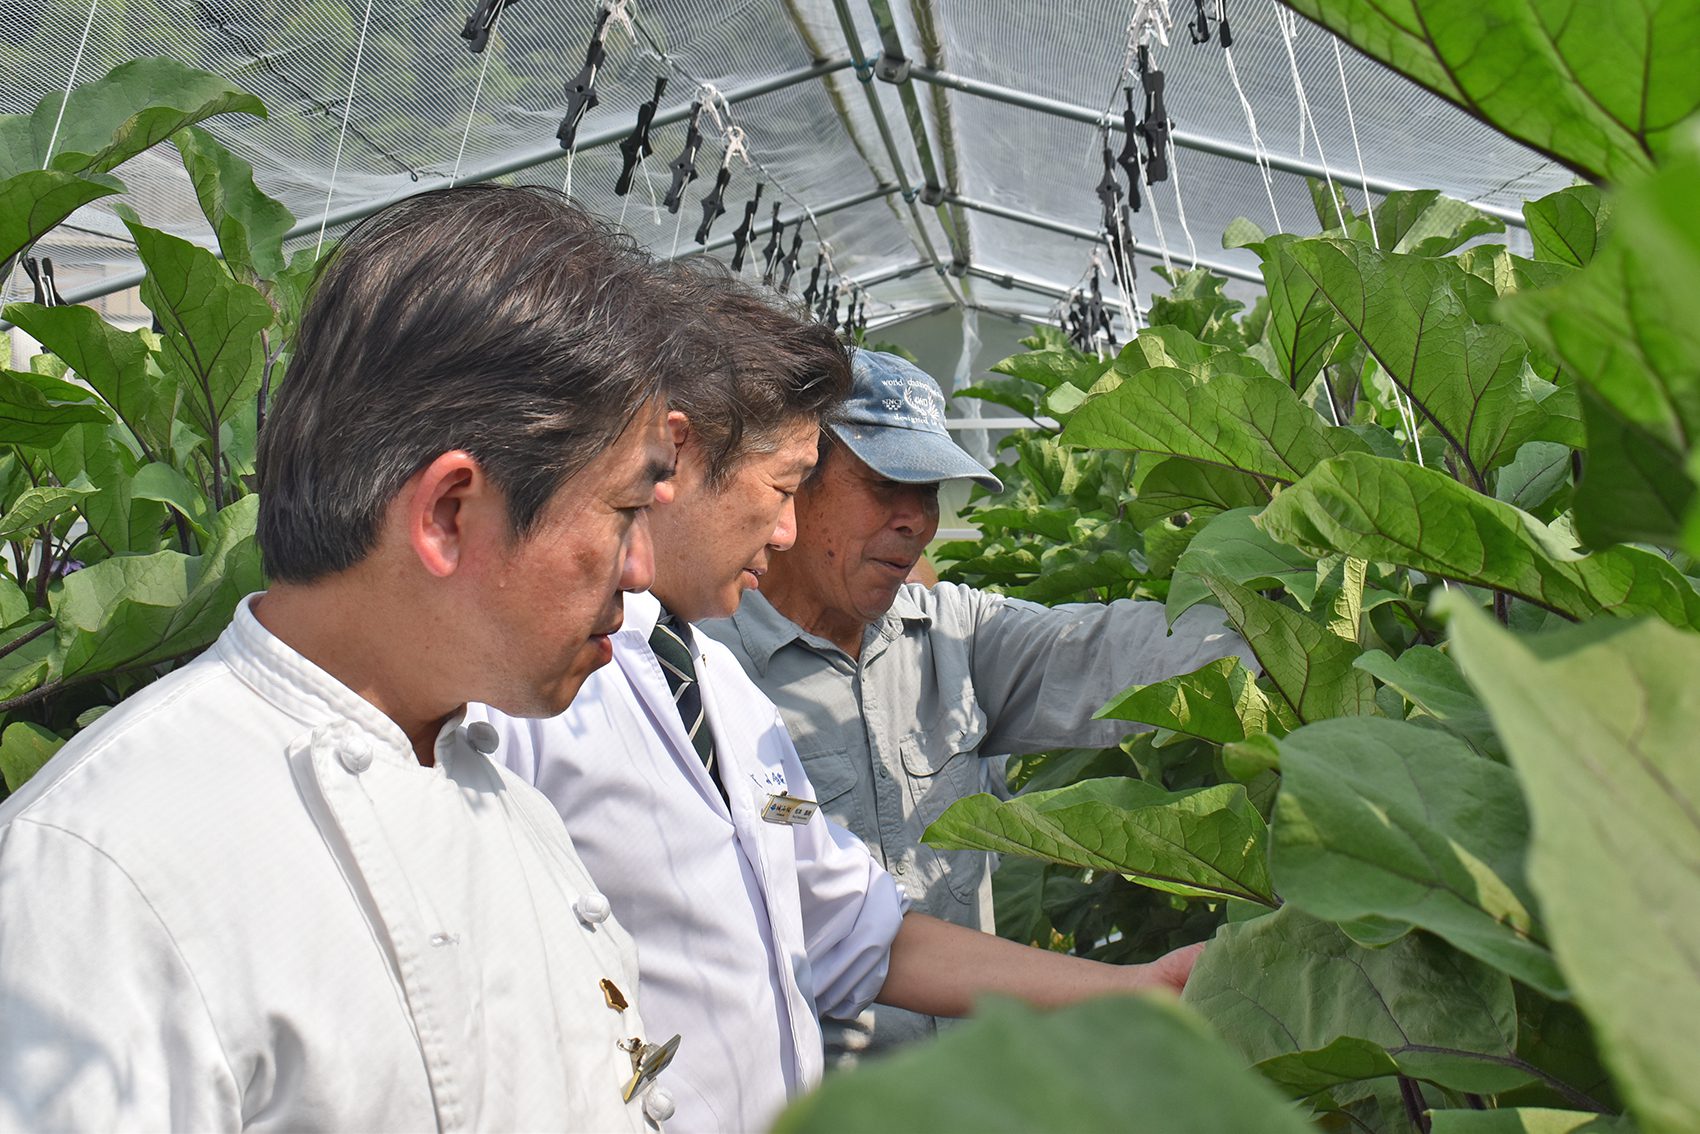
788 809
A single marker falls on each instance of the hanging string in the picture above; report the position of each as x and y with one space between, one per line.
1257 147
347 109
483 69
53 138
1180 203
1369 206
1287 21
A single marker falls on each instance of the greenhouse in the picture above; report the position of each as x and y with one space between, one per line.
621 564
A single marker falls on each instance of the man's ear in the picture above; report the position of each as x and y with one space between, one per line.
445 506
678 427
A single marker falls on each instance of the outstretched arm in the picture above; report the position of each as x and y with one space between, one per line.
940 969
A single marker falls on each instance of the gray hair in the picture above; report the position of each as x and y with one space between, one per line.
504 322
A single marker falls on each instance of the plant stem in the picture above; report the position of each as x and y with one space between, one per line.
23 640
1415 1105
45 571
1502 607
1574 1097
265 381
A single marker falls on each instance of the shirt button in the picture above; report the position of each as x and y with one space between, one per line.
592 909
356 754
657 1105
482 737
900 868
879 770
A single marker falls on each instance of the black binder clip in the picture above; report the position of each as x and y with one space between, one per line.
1109 189
1128 159
636 145
831 316
741 234
1222 32
481 23
1155 128
581 88
788 265
685 165
1097 318
770 250
714 203
42 282
1121 256
812 292
1200 27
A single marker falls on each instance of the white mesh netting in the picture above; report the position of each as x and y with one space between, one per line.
413 122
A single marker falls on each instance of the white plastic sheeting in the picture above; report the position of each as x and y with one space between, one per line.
421 111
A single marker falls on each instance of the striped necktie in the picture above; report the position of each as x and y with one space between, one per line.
670 641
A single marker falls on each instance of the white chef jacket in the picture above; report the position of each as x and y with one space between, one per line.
238 900
746 929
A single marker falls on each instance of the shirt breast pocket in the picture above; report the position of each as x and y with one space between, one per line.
832 774
940 769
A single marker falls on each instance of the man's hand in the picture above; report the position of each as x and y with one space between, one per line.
939 969
1168 972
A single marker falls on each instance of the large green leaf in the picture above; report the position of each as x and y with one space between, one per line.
1310 1008
1303 325
1232 547
1431 681
1139 1065
1208 842
1567 226
250 226
133 610
33 202
1310 667
1219 702
1600 85
1164 486
1386 820
1527 1120
1600 722
112 361
1625 327
24 748
1253 424
41 505
1396 512
106 122
1424 322
211 325
37 410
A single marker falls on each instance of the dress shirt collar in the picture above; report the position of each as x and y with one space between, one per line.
276 672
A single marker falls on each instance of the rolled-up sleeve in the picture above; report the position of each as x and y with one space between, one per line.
1041 672
851 910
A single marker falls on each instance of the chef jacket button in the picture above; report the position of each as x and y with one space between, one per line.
658 1105
592 908
356 754
482 736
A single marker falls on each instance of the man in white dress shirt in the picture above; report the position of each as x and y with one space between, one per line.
285 887
753 915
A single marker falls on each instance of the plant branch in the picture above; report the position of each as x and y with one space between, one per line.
1571 1095
1415 1105
23 640
45 571
42 692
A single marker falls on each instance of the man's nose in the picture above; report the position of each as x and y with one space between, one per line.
785 528
637 573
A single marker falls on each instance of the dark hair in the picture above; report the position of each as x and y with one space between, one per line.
771 368
505 322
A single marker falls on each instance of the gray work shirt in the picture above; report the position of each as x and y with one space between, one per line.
947 676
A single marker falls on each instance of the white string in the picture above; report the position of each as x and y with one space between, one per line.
1287 21
53 138
347 109
1157 219
1180 201
1369 206
490 49
677 226
1129 289
1257 148
567 185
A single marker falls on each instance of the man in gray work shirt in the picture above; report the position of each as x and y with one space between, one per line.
894 693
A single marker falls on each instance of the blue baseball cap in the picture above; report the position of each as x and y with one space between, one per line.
894 422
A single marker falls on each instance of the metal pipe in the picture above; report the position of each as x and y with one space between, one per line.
1087 234
863 72
956 230
527 161
1075 113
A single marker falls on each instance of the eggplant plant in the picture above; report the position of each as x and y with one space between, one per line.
1444 835
126 456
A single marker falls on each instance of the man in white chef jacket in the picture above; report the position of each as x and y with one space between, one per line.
285 887
753 915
